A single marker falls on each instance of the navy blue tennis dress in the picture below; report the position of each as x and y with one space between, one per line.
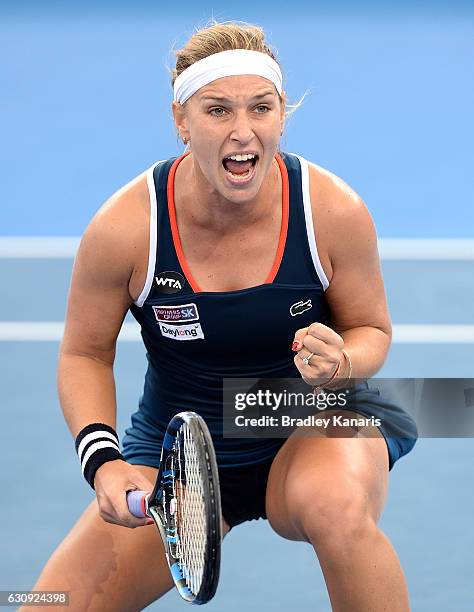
194 339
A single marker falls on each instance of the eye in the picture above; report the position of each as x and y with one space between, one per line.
262 108
213 112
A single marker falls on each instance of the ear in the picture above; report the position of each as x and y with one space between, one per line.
180 120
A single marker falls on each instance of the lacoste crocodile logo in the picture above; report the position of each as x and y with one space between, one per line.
300 307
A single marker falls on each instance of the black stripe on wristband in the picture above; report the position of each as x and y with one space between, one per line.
98 459
96 444
92 428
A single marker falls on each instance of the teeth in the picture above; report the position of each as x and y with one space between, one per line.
244 157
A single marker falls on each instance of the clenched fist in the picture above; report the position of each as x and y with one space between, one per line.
319 353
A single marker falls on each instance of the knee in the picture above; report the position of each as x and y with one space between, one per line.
330 512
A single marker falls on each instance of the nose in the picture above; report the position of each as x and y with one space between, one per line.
241 129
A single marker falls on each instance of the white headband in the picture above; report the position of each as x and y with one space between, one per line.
223 64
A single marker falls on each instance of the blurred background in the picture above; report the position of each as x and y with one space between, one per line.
85 106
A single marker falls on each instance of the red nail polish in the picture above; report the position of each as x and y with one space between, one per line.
294 346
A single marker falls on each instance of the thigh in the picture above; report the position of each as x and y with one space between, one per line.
323 474
107 567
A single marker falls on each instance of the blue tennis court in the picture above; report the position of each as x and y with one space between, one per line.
85 107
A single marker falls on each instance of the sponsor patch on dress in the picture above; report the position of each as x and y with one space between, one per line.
176 314
182 332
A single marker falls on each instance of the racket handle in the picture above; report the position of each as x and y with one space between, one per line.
136 501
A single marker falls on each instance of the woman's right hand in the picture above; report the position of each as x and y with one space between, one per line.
111 482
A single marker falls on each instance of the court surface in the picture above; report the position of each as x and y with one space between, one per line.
81 100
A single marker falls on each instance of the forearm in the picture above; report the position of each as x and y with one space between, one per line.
367 348
86 391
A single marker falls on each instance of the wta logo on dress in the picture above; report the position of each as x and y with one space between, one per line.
169 282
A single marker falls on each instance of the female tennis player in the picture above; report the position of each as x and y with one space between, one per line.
237 260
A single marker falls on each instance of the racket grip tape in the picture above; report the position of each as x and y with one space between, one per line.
136 501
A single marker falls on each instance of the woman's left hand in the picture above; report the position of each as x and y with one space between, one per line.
325 345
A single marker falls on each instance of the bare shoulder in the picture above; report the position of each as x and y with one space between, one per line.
342 222
102 286
117 238
123 217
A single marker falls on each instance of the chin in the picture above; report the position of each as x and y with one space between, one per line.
242 195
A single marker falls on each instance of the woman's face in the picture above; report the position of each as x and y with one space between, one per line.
235 115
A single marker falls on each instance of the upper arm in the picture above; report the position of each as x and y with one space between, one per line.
110 255
347 241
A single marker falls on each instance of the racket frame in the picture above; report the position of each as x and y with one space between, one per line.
158 506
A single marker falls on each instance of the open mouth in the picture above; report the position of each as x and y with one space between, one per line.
240 167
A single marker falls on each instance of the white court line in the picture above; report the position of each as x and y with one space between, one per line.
38 247
426 248
52 331
64 247
433 334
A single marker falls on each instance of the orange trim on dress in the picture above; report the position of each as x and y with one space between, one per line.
175 232
285 214
174 225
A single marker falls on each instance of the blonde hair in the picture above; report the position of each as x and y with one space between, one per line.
225 36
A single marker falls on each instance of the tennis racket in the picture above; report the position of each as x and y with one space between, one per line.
186 507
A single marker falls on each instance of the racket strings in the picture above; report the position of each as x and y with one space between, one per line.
191 512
